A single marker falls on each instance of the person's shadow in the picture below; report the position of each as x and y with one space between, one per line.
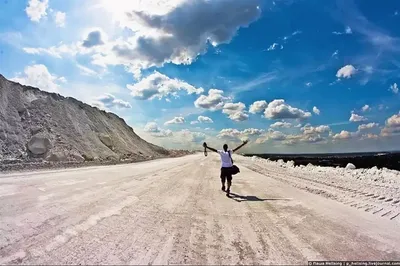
240 198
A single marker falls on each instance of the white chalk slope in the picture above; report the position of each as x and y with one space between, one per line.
172 211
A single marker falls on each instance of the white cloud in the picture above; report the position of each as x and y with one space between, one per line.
109 101
159 86
394 88
346 71
186 135
367 126
37 9
366 108
335 54
271 135
59 18
392 126
194 122
94 41
204 119
347 30
86 71
308 84
274 46
252 132
316 110
213 101
310 134
178 33
278 109
258 106
40 77
357 118
309 130
342 135
175 120
155 131
235 111
281 125
229 133
236 135
369 136
151 127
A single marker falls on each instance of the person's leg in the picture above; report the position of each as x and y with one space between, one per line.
229 179
223 177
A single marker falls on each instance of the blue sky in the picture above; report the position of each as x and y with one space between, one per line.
291 75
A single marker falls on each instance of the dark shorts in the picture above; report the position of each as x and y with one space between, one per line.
226 174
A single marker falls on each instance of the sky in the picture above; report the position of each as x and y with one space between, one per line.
291 76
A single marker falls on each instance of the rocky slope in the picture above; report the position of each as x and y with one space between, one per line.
39 127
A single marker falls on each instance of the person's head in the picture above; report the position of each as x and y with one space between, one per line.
225 147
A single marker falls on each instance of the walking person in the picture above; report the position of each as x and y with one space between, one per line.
226 163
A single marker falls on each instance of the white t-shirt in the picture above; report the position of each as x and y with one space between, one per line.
225 159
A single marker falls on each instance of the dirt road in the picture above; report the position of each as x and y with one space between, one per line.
172 211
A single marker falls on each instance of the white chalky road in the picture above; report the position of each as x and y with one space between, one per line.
172 211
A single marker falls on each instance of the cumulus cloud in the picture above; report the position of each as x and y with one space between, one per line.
108 100
281 125
155 131
357 118
204 119
213 101
309 134
369 136
37 9
346 72
271 135
278 109
309 130
59 18
175 120
342 135
394 88
316 110
258 107
235 111
179 35
151 127
366 108
367 126
229 133
159 86
40 77
94 38
392 126
187 136
236 135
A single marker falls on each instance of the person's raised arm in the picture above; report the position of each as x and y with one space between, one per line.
211 149
240 146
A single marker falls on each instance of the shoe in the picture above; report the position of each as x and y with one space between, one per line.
227 192
223 188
